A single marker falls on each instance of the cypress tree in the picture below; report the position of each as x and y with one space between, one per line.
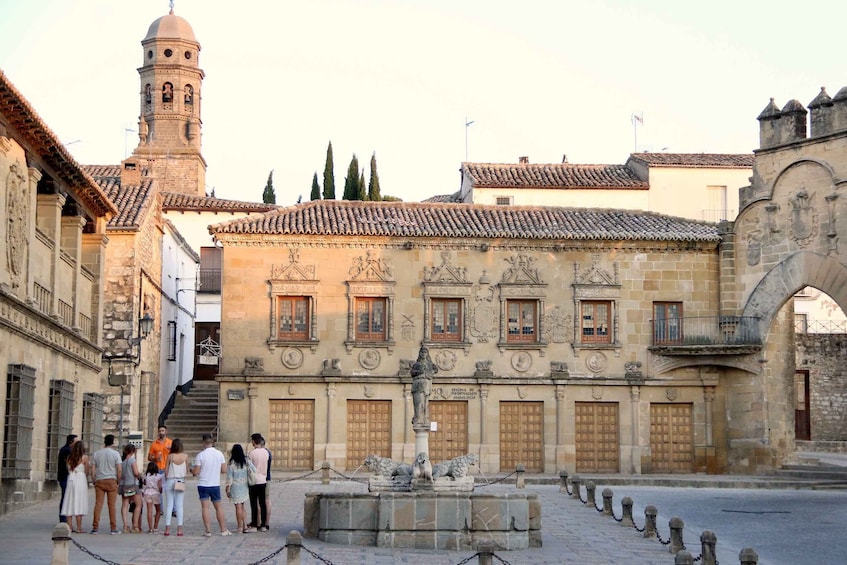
316 188
351 182
329 178
363 194
269 195
373 186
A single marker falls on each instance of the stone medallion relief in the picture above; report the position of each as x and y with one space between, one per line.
369 359
596 362
292 357
445 360
521 361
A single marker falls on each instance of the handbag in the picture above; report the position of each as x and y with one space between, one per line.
179 486
251 476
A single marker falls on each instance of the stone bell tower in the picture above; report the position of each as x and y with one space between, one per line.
169 124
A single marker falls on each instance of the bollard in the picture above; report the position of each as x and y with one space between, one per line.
325 473
676 525
575 482
520 470
485 551
294 541
650 513
683 558
563 481
748 556
607 502
591 493
708 541
626 505
61 544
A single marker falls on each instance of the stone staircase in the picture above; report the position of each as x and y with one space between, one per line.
193 415
828 469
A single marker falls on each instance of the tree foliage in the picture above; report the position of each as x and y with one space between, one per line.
329 177
316 188
351 182
363 194
373 186
269 195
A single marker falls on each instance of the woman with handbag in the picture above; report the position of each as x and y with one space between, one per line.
174 489
129 491
239 475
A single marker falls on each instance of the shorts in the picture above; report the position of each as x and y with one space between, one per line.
127 491
209 492
152 498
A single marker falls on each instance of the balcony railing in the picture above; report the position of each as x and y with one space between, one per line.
210 280
706 335
820 327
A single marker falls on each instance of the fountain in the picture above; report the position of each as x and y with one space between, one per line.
422 505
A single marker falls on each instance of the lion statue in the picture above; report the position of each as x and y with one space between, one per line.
423 467
381 465
455 468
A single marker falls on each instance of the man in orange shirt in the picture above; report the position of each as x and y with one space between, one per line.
160 449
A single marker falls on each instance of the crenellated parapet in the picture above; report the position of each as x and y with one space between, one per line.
825 116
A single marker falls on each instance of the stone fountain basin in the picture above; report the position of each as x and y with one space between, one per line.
425 520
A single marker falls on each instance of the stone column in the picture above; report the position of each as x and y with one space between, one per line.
48 218
94 259
330 400
252 393
709 398
72 245
635 408
483 416
561 425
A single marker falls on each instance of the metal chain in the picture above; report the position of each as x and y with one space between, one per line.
355 480
269 557
615 518
316 556
467 559
84 549
497 481
579 495
698 558
637 529
568 490
500 559
597 508
661 541
296 478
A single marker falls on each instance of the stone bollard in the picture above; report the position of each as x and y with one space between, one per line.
676 525
650 513
61 544
626 506
294 541
325 473
520 481
683 558
748 556
575 482
607 502
591 493
563 481
486 553
708 541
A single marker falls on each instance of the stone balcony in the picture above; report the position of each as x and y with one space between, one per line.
706 335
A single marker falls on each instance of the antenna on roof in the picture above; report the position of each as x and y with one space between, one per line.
636 119
467 125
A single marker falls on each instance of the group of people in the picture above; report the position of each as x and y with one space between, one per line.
162 485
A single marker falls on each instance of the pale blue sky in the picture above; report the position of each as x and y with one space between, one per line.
539 78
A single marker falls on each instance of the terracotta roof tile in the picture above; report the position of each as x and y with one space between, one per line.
417 219
25 120
564 175
176 201
696 160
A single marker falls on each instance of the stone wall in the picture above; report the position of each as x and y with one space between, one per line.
825 357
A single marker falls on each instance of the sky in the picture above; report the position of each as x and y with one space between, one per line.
402 78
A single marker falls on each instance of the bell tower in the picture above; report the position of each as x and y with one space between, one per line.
169 124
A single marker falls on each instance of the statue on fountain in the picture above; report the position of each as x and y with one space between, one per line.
422 371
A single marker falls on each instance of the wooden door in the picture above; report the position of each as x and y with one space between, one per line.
451 438
368 430
291 435
597 437
802 417
672 438
522 436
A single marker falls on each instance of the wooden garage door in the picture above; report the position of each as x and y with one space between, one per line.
522 436
671 438
597 440
368 430
451 438
291 438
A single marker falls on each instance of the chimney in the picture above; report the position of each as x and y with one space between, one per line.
564 158
523 160
130 172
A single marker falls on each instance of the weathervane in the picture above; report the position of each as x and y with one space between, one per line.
171 4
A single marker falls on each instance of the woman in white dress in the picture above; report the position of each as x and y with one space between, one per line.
76 494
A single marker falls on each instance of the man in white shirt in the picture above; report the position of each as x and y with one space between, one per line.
258 498
209 465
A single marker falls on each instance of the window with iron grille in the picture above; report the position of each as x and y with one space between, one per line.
60 420
17 438
596 321
92 421
171 341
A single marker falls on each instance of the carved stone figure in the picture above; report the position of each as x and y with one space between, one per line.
423 467
455 468
381 465
422 371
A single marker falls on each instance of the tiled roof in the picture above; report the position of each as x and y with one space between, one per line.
696 160
24 119
455 197
176 201
417 219
131 201
564 175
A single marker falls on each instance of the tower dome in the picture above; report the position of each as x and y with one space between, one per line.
170 26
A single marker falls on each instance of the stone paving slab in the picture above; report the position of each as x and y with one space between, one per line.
571 533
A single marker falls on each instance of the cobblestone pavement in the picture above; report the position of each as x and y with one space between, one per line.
571 533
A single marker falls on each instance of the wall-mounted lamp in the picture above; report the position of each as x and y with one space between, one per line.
145 326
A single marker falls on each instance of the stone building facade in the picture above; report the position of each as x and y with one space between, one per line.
52 301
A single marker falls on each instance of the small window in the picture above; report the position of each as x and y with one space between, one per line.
150 54
148 94
188 94
92 421
19 422
667 323
522 320
801 323
596 321
60 419
370 319
446 319
503 200
188 54
293 314
167 92
171 340
168 52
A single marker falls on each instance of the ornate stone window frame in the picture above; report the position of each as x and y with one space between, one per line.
447 282
596 284
522 281
293 279
370 277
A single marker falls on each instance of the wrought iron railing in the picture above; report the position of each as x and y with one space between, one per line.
706 331
820 327
210 280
